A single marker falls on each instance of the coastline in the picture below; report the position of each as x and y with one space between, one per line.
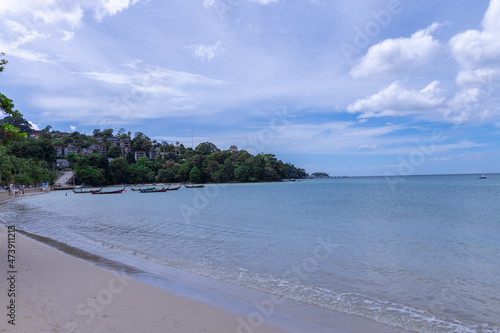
57 292
87 293
231 307
6 195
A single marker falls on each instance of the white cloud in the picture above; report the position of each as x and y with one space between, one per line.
39 13
465 106
208 3
478 55
18 35
335 137
34 126
127 93
68 35
478 52
367 146
264 2
108 77
72 128
392 55
112 7
396 100
208 52
469 156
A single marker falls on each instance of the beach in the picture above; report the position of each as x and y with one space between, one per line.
55 292
6 195
340 255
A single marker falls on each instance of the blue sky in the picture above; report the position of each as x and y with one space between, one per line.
362 87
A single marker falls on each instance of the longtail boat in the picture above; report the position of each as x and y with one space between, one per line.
154 190
141 189
108 192
174 188
82 191
194 186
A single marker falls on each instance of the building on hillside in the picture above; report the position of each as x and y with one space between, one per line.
59 135
62 163
126 146
59 150
35 134
71 148
154 153
114 140
87 151
138 154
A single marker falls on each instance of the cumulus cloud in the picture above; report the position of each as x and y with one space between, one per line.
397 100
34 126
393 55
466 105
478 52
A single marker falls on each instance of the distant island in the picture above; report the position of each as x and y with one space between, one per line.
106 158
320 175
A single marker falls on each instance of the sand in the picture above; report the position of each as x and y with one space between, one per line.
6 195
55 292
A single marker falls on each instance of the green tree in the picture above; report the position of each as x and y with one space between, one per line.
89 175
206 148
8 131
166 175
22 124
119 168
242 173
107 133
114 151
196 175
184 171
130 157
6 167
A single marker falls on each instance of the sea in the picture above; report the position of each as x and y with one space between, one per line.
364 254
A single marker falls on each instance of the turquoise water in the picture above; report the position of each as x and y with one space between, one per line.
421 254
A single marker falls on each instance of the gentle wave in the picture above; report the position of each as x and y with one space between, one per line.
388 313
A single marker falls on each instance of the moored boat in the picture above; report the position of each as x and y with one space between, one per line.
108 192
482 177
143 189
80 190
194 186
174 188
163 189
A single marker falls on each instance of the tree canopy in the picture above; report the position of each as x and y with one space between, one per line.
172 162
8 131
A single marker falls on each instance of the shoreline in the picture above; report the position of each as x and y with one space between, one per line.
233 306
58 292
6 195
88 293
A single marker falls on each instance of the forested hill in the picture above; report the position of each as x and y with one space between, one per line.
106 158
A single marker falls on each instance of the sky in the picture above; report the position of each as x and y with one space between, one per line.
357 88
